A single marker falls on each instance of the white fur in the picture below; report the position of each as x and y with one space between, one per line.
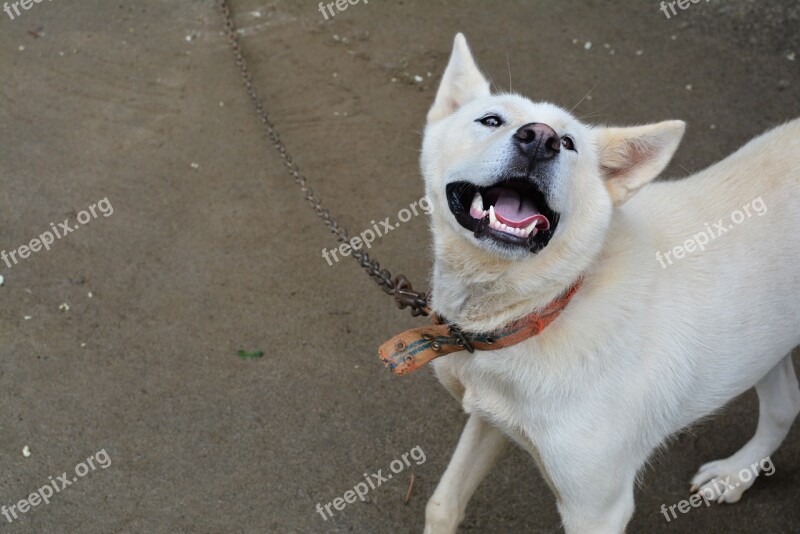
641 351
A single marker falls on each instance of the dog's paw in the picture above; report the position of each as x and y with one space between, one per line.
723 480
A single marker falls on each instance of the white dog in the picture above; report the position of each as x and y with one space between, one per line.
666 326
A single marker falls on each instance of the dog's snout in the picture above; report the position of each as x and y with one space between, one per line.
538 141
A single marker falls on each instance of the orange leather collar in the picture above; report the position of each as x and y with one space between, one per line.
412 349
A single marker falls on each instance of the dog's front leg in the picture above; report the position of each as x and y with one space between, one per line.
596 499
477 450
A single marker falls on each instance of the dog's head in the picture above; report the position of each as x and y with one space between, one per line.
512 180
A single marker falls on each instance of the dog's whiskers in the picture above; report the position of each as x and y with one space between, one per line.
584 97
594 114
510 86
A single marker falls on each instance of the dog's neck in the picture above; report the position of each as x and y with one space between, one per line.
482 293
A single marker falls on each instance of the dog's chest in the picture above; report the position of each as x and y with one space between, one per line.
497 386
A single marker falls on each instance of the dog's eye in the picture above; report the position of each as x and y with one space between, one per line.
568 143
492 121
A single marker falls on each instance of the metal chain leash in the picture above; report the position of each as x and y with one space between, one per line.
399 287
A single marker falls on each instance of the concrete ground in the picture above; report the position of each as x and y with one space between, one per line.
123 337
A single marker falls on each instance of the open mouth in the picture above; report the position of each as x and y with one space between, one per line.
512 212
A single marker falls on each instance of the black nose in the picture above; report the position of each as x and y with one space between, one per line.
538 141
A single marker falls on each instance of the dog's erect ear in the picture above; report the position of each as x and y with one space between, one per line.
462 82
632 157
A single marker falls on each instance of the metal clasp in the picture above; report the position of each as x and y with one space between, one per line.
406 297
461 338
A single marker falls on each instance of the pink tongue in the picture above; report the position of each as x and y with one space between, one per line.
518 212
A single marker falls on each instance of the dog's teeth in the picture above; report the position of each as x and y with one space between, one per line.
502 227
477 203
530 228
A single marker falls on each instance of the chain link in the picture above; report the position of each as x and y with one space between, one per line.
399 287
